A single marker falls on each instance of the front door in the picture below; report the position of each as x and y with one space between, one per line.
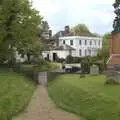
54 56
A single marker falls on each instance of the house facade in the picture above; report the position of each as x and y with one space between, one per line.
84 46
76 46
58 52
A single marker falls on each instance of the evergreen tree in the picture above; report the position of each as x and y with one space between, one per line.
116 24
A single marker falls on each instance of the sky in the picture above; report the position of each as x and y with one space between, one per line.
98 15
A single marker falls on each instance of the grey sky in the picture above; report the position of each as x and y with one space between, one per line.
96 14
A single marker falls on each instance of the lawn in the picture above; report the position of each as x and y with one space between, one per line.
15 93
88 97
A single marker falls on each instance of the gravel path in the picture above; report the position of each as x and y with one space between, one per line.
41 108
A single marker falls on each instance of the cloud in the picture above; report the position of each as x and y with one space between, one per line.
96 14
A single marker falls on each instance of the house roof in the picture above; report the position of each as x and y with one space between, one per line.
64 47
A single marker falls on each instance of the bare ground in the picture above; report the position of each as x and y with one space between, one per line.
41 108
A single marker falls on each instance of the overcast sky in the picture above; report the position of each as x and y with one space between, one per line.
96 14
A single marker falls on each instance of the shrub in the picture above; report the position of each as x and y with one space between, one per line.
101 65
69 59
77 59
85 65
61 60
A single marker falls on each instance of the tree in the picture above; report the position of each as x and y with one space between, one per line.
103 54
82 30
19 28
44 35
116 24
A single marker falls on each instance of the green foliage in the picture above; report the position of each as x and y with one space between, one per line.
44 35
15 93
82 30
85 65
87 62
19 25
88 97
70 59
116 24
103 54
44 65
60 60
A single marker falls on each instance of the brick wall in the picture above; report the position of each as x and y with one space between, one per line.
114 48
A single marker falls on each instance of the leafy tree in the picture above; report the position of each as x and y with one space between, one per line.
103 54
44 35
19 28
82 30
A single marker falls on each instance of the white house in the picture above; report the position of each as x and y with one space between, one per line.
76 46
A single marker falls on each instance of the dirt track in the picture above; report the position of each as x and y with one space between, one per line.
41 108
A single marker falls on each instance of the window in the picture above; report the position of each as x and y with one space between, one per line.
71 42
63 41
90 42
80 52
95 42
90 52
85 52
85 42
80 42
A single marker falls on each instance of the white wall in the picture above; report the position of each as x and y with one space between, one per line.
96 44
61 54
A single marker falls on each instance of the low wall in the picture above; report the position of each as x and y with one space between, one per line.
44 77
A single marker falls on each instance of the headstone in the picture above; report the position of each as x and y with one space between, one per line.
113 74
94 70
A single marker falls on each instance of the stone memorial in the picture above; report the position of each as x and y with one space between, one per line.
113 72
94 70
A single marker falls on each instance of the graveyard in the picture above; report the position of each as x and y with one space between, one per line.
47 73
88 96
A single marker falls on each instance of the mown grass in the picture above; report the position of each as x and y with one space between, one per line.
88 97
15 93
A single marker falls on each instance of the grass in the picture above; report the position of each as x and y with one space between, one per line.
15 93
88 97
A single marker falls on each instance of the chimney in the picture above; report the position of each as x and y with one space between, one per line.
67 28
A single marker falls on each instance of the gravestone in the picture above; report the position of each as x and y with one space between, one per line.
94 70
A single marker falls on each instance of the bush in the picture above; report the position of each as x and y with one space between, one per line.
77 59
101 66
85 65
60 60
27 70
69 59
